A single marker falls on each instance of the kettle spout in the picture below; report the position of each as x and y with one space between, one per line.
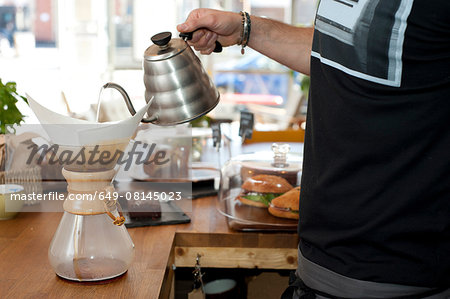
127 100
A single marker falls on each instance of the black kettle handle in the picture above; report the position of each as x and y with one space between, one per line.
188 36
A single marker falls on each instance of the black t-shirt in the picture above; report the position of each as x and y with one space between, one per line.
375 201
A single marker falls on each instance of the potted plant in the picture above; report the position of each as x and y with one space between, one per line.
14 169
9 113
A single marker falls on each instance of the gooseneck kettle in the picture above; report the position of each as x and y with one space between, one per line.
175 81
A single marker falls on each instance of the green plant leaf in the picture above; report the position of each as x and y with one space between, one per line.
9 113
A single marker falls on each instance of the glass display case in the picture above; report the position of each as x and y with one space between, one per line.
250 182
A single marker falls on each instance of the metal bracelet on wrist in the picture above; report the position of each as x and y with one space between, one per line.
246 27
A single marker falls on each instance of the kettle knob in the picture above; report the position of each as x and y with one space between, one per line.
161 39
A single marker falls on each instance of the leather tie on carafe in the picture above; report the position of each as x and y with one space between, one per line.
108 203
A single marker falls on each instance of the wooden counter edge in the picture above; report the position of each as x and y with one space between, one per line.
168 279
231 257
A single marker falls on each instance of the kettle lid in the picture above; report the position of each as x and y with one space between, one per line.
164 47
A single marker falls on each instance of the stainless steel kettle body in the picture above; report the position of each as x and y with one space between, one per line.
175 80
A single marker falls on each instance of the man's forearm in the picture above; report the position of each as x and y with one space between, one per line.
289 45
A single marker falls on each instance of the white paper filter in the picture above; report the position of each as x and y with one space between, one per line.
65 130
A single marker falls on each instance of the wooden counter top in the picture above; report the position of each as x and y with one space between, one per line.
26 272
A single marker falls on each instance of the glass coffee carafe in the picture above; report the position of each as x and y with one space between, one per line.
91 243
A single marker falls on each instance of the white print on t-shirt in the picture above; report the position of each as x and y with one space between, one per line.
363 38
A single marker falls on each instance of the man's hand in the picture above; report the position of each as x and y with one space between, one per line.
284 43
212 25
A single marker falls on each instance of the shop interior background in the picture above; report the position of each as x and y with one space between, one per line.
62 51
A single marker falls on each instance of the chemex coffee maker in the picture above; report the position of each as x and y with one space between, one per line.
91 243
